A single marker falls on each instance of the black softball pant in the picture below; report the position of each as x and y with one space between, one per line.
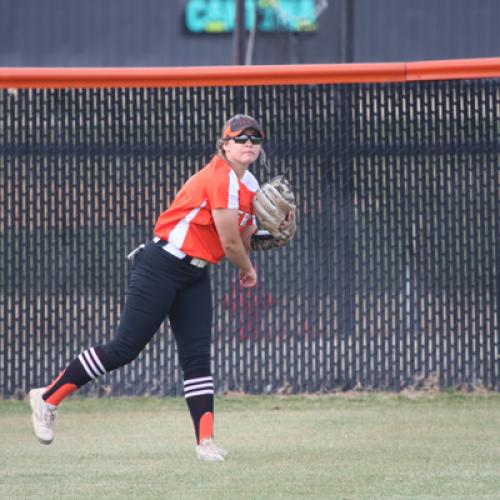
162 285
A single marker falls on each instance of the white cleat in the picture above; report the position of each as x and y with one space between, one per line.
208 451
222 451
43 416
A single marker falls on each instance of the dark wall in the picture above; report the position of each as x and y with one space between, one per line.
151 33
392 30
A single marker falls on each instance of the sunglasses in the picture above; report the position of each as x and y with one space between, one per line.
243 138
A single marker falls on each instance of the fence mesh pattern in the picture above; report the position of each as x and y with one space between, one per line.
392 281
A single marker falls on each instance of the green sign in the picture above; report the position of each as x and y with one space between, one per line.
217 16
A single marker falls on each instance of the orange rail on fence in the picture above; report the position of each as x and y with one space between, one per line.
203 76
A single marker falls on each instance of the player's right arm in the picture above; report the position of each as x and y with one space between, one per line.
227 224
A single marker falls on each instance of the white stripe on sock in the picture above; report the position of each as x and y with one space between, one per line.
85 367
97 361
198 393
195 380
198 386
91 365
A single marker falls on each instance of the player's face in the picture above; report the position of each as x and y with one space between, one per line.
243 153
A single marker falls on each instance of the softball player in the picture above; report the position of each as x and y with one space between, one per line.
211 217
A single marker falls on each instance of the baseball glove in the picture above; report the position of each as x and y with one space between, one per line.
272 204
262 240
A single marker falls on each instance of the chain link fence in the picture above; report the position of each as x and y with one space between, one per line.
391 282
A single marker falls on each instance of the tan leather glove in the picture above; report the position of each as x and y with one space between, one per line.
272 204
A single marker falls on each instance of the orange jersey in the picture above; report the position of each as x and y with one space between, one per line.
188 224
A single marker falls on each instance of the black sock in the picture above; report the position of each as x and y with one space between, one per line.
86 367
199 394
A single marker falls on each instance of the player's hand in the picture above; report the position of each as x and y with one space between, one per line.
248 279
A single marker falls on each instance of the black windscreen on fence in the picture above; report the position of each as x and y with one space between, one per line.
391 282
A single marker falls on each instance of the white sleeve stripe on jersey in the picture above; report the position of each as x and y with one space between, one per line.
233 200
250 181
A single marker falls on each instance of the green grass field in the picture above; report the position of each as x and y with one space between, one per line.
339 447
